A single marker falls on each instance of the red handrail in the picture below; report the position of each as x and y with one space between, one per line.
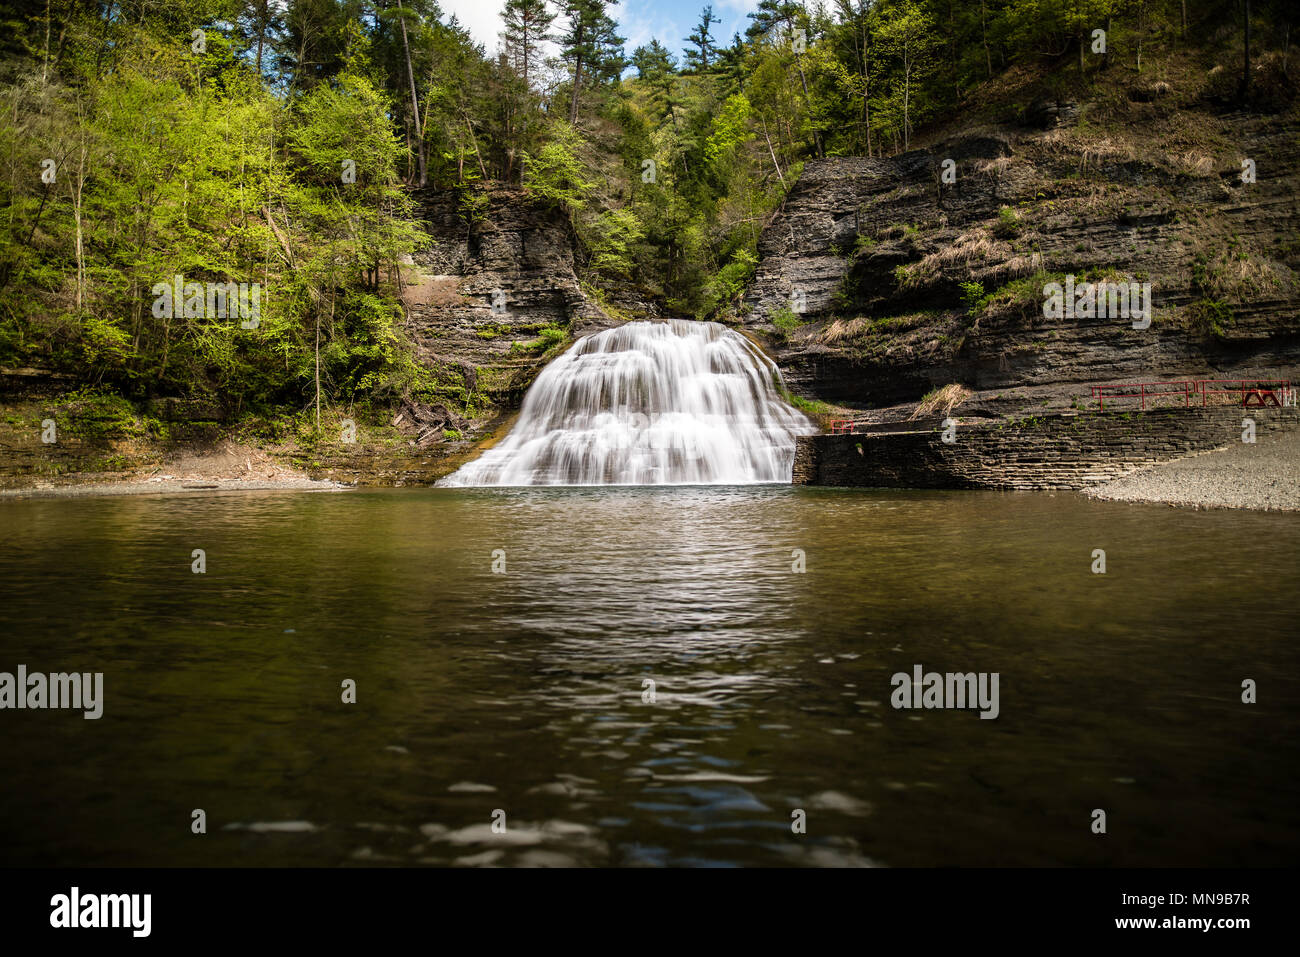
1263 390
1259 388
1126 391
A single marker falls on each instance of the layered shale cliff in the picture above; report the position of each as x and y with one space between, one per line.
879 281
495 294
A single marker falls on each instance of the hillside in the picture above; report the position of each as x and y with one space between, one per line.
911 284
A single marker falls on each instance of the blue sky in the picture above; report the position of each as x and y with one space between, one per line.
668 20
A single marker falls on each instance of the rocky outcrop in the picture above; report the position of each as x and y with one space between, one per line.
879 281
1054 451
494 295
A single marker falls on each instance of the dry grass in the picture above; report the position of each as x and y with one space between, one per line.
1194 162
946 398
1017 267
975 244
843 329
1238 279
993 168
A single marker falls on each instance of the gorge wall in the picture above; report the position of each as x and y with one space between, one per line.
1143 188
1060 450
493 295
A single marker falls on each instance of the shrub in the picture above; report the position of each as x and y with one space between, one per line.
786 319
1008 224
1211 317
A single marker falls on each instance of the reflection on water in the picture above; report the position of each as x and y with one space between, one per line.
526 692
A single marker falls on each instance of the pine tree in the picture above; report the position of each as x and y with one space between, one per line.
703 41
528 23
591 47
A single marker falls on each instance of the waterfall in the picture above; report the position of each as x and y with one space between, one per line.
649 403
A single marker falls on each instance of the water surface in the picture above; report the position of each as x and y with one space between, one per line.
523 691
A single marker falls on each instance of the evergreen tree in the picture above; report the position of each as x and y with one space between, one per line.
590 46
703 41
528 24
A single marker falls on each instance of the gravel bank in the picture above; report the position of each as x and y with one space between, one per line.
1264 476
167 486
228 468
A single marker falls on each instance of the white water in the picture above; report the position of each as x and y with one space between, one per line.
649 403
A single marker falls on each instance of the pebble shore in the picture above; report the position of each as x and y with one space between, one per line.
1265 476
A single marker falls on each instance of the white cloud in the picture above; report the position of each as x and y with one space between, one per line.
640 30
740 7
481 17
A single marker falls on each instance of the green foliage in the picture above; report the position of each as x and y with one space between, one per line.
556 175
786 319
811 406
612 240
1008 224
1211 317
548 338
217 182
726 287
972 294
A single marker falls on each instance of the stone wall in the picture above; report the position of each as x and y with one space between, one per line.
1056 451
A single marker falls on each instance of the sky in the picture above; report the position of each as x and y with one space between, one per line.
670 21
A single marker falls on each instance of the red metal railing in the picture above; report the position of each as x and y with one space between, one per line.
1249 392
1144 390
1261 391
842 426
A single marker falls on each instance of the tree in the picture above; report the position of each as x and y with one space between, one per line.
528 24
702 40
858 28
591 47
415 99
907 33
782 24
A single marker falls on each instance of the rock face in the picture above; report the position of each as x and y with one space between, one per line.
863 267
478 300
1054 451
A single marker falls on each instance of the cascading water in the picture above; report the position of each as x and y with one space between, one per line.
649 403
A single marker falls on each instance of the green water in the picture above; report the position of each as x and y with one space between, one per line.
522 692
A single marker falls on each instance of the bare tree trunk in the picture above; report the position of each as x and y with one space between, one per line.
984 33
473 141
1245 72
45 67
415 103
803 81
577 85
318 366
318 347
771 152
261 34
81 260
907 94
